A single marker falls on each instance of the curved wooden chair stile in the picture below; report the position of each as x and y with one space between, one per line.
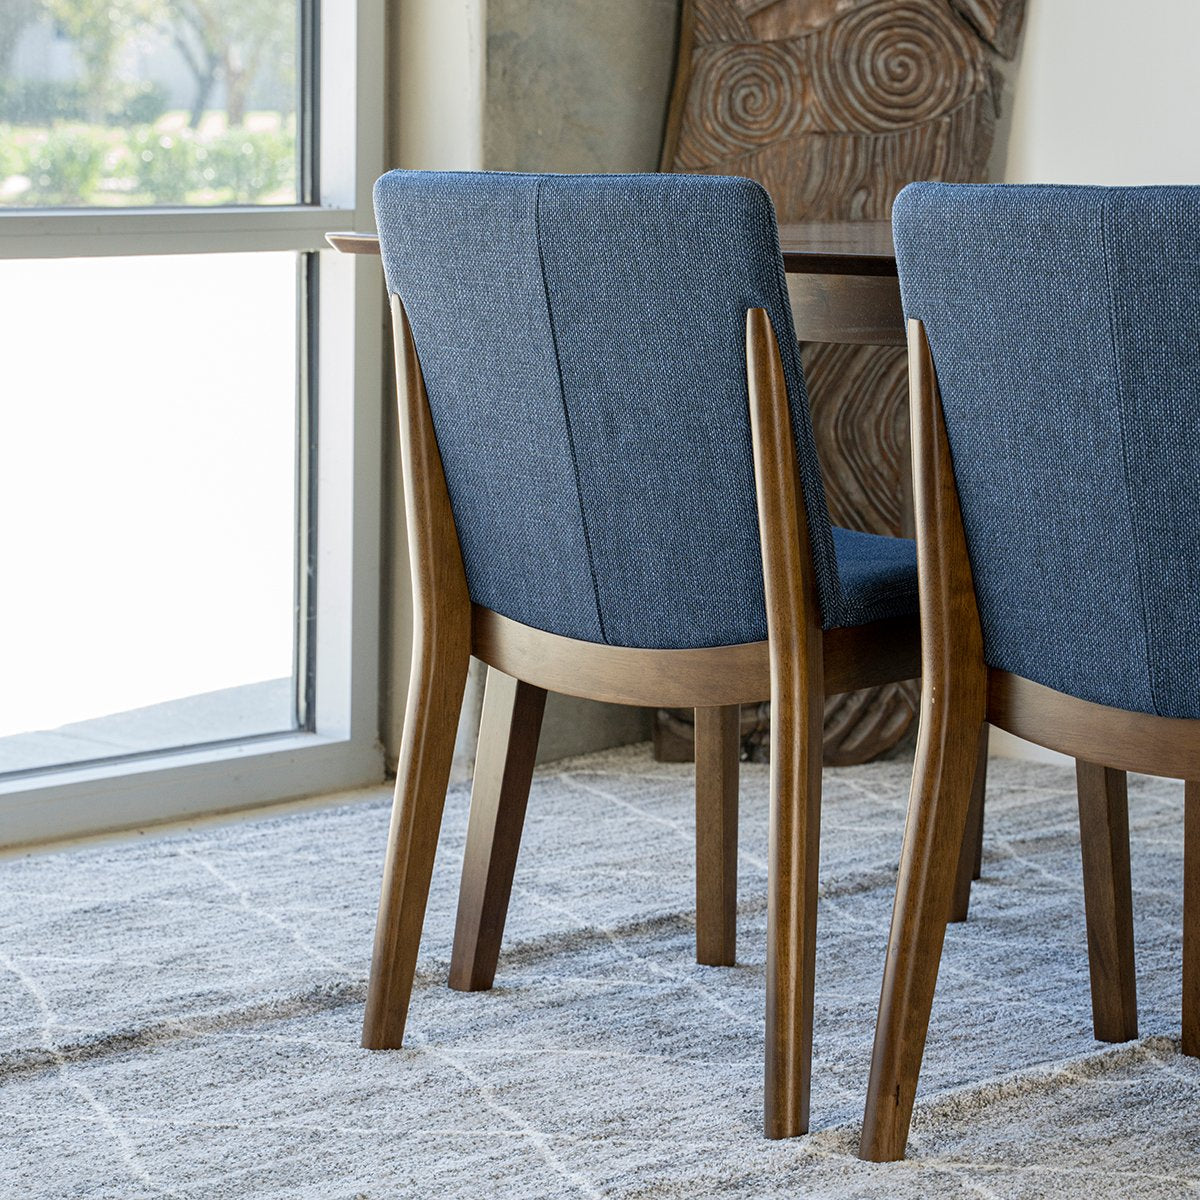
959 693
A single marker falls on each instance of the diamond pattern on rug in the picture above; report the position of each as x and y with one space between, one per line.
179 1015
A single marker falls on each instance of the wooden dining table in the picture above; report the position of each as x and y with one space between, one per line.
841 279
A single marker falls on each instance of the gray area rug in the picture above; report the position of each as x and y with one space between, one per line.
179 1015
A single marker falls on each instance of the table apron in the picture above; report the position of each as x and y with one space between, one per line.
862 310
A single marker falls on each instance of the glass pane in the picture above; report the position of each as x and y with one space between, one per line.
148 102
147 503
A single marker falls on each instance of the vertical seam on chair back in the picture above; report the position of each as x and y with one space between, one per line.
562 395
1106 218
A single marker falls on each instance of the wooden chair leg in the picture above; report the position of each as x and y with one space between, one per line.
1108 899
718 750
970 859
947 751
796 750
1191 918
439 677
508 738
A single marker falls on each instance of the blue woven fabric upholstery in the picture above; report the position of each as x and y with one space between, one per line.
877 576
583 345
1065 329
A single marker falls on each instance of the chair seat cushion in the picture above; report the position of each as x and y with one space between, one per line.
877 577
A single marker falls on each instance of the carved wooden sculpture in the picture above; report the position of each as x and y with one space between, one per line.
834 105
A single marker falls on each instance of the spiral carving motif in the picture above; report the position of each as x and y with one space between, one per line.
749 96
862 435
893 65
718 21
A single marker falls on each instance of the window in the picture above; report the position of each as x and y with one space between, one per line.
189 475
126 103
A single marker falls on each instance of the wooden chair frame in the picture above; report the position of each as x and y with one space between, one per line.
799 666
959 693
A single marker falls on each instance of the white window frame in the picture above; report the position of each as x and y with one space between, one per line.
343 750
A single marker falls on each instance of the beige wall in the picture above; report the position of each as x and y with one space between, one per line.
1106 91
578 85
436 69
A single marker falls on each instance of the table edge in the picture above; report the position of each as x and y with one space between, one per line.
795 262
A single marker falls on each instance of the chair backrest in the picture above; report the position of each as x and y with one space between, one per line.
582 340
1064 324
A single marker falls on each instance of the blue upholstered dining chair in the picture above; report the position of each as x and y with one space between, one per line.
1055 387
580 483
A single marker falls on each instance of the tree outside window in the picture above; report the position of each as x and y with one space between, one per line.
113 103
